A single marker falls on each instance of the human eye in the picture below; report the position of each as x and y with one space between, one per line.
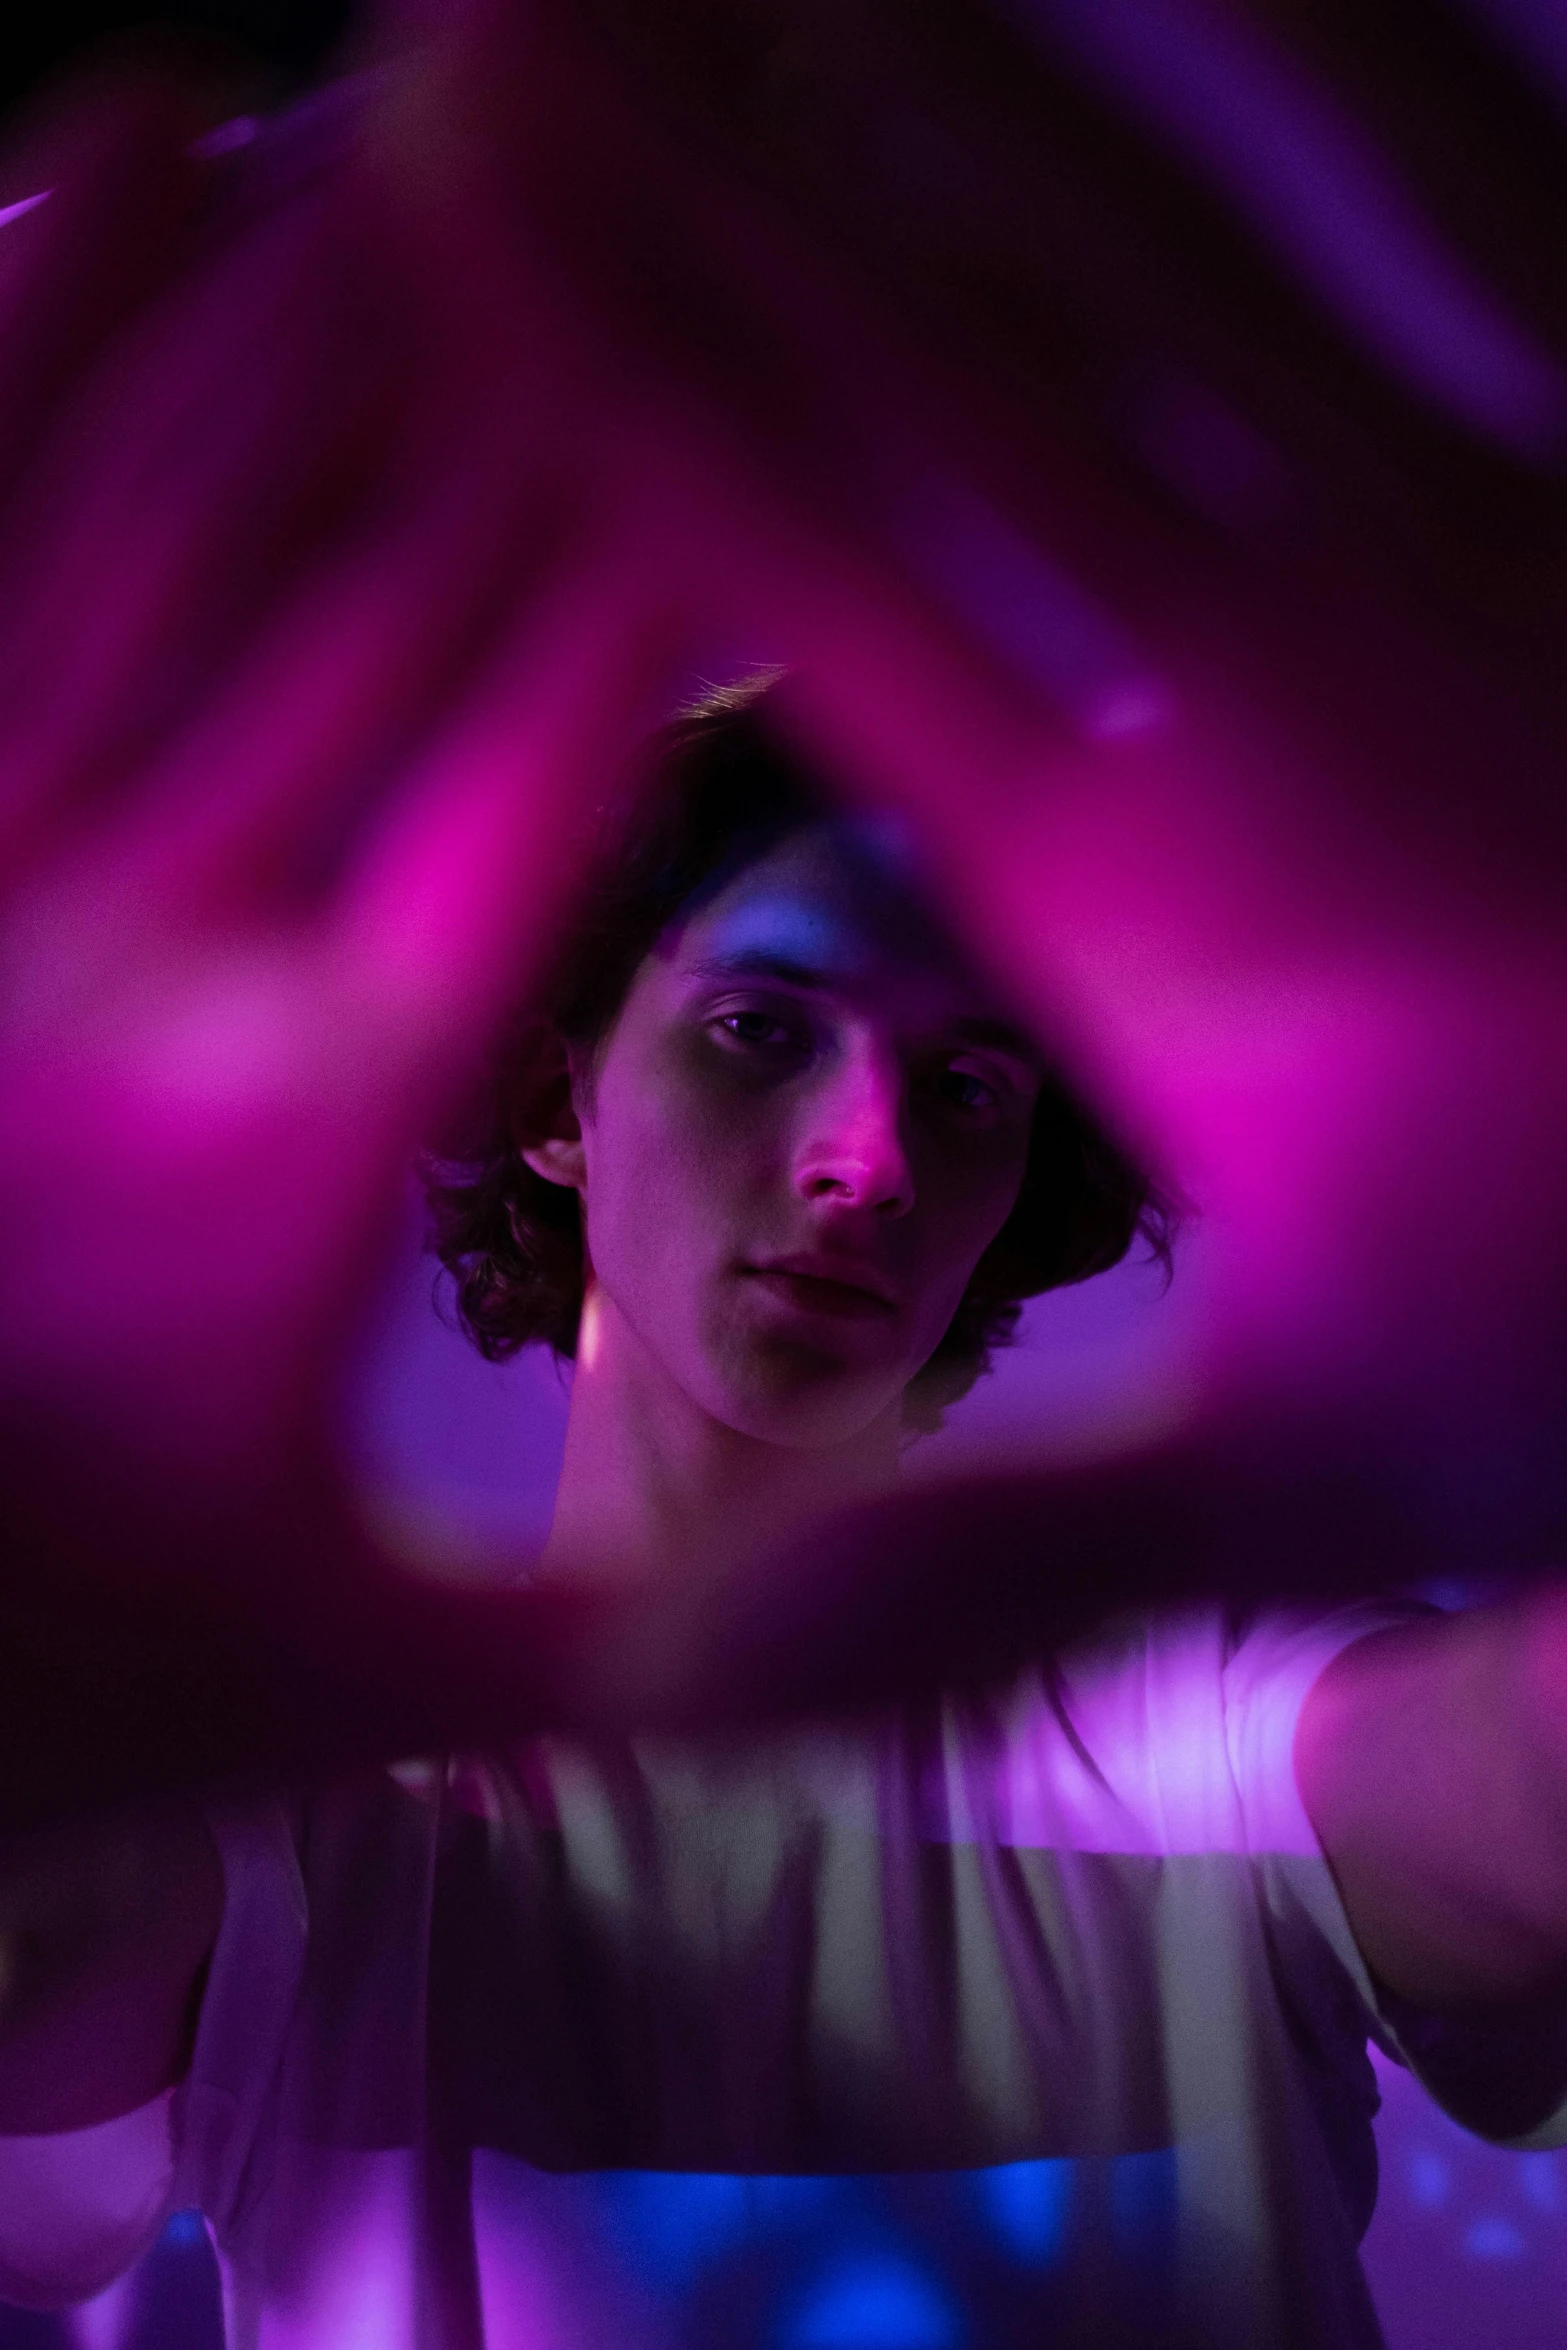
752 1027
760 1030
966 1088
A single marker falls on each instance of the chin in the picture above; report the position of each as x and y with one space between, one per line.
806 1404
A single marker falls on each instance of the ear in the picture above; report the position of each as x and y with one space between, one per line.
545 1124
559 1159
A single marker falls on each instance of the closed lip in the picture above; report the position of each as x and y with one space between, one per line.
834 1273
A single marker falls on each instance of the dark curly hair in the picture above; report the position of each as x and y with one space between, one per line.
721 790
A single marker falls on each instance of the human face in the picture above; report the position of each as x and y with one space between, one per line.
805 1127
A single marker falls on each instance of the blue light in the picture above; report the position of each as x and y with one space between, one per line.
872 2302
1144 2190
1493 2239
1430 2179
782 2202
183 2229
1025 2204
673 2222
1540 2176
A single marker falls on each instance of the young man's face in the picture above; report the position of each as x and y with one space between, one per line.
799 1137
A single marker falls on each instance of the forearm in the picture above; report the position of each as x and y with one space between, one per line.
1433 1762
156 1643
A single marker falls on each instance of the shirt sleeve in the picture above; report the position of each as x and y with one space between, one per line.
79 2207
1503 2076
224 2110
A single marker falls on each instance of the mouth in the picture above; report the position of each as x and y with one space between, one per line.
827 1285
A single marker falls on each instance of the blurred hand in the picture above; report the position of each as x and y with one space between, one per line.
326 610
363 490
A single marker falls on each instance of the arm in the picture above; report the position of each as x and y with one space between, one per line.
1432 1760
105 1931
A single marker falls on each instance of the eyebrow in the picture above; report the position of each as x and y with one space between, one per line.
767 963
762 963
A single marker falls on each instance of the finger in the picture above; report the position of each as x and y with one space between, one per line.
196 475
251 805
962 1587
158 1638
237 1633
448 908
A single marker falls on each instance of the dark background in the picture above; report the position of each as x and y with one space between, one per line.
284 41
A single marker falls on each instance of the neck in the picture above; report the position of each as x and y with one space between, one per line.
651 1480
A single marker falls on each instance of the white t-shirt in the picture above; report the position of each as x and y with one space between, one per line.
1020 2021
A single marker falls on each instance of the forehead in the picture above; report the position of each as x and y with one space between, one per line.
836 903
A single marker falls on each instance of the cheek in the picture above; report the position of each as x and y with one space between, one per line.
667 1172
701 1137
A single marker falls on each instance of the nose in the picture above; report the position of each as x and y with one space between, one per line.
853 1150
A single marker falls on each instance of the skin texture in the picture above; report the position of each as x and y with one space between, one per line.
1433 1764
800 1077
